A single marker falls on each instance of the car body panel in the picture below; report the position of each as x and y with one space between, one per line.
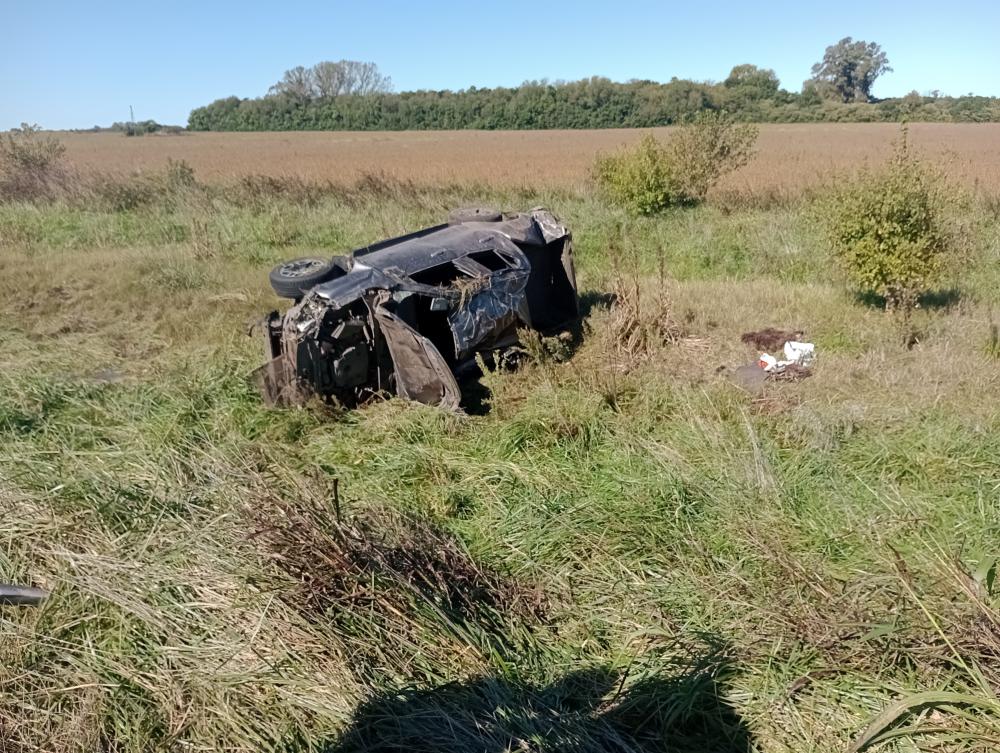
421 371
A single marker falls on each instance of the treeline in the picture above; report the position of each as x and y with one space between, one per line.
132 128
589 103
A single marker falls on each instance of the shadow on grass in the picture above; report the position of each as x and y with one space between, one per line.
591 299
475 395
585 711
933 299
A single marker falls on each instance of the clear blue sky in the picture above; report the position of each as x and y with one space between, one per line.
79 64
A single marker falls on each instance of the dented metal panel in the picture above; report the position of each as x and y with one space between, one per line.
493 308
421 372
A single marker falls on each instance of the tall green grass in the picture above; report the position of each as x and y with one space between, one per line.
625 552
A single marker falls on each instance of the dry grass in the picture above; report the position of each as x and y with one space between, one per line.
721 570
789 157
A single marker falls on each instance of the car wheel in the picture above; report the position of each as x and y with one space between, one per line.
291 279
474 214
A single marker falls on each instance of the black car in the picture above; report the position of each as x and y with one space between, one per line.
404 315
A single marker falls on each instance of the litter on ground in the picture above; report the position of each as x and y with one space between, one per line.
796 354
798 357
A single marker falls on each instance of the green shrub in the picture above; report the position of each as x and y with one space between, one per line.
893 227
137 128
652 175
637 178
707 149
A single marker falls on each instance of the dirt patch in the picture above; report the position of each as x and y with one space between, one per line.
769 338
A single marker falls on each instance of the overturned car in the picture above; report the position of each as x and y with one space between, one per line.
405 315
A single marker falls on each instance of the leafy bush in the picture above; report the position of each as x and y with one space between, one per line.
893 227
31 164
637 178
652 175
710 147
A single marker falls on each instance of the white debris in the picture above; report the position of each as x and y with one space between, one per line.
768 362
797 353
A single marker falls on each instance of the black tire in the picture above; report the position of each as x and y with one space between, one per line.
293 278
474 214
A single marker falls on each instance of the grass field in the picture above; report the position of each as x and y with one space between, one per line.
623 551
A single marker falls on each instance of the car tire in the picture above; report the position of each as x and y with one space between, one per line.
293 278
474 214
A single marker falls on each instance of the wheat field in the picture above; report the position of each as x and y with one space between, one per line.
789 156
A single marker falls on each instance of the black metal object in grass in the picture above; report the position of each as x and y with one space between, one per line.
12 595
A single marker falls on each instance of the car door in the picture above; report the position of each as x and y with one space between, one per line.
421 371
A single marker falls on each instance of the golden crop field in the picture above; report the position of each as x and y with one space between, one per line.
789 156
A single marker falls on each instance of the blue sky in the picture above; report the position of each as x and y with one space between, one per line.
68 65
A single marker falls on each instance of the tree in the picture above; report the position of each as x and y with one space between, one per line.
298 82
349 77
849 69
329 79
364 78
752 82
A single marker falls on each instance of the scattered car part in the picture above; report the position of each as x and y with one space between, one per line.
403 315
21 595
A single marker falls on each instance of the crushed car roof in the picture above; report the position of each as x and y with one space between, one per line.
385 264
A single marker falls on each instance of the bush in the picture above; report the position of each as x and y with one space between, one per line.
140 128
709 148
652 176
637 178
893 227
122 193
31 164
